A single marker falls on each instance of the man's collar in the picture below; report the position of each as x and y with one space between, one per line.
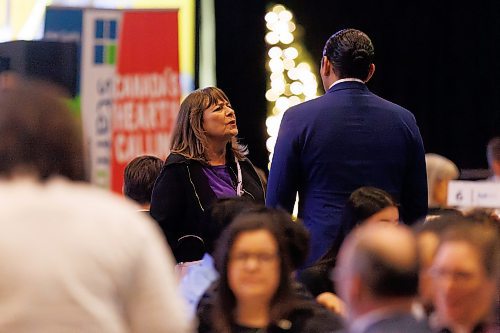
349 79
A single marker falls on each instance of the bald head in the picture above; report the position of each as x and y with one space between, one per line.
384 258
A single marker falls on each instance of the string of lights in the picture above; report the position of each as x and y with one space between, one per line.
290 79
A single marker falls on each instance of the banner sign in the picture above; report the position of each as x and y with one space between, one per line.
147 90
474 194
129 83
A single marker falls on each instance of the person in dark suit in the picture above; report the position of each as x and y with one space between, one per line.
345 139
377 277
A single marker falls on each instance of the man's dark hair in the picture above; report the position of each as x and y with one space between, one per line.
39 135
140 176
351 52
220 214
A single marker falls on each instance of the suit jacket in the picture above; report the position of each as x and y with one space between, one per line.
332 145
397 323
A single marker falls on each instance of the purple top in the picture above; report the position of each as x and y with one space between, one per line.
220 181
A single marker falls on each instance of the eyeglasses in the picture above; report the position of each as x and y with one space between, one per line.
458 276
261 258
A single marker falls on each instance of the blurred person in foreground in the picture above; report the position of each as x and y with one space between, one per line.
139 178
255 292
377 276
349 137
465 274
196 277
72 257
206 162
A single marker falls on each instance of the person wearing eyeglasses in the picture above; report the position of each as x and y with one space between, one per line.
465 275
255 291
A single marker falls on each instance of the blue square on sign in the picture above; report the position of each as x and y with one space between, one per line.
99 54
99 29
112 29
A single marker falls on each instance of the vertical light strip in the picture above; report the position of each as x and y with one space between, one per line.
290 79
207 44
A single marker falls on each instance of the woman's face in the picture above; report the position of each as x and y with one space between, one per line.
219 122
462 289
388 214
254 266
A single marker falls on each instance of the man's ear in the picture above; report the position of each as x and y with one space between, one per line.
326 66
371 70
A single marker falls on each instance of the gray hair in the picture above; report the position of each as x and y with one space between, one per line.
438 168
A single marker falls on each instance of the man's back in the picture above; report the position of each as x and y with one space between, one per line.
75 258
330 146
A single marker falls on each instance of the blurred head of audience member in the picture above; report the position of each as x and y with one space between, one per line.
377 270
493 154
465 275
67 243
255 286
220 214
440 171
139 178
428 234
255 271
40 137
197 276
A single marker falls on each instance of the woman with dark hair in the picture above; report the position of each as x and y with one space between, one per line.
206 163
365 205
255 292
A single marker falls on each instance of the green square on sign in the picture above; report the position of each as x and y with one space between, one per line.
111 54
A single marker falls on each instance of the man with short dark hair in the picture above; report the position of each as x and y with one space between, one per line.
139 178
493 154
377 277
329 146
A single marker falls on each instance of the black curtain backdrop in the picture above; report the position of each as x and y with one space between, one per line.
439 59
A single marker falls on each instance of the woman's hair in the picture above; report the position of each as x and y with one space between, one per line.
438 168
362 203
39 135
273 221
189 137
351 52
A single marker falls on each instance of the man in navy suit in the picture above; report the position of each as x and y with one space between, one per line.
348 138
377 277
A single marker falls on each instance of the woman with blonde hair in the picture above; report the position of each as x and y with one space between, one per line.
206 162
